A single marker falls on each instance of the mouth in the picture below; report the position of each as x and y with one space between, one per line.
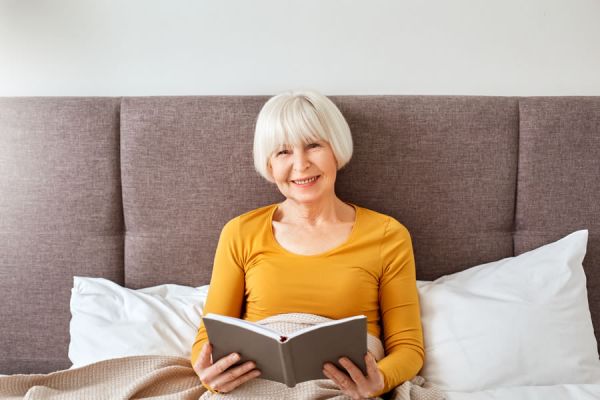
307 181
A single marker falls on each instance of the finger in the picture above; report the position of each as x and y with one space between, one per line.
331 377
344 385
233 373
229 386
340 378
212 372
354 372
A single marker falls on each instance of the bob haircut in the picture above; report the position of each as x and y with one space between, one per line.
299 118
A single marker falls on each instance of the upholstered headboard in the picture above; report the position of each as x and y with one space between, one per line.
136 190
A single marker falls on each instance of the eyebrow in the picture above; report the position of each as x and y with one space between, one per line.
286 146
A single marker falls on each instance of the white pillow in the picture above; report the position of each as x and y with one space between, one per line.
519 321
110 321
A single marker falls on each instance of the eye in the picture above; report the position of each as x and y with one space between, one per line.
313 145
281 152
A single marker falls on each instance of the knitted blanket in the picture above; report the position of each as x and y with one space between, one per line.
169 377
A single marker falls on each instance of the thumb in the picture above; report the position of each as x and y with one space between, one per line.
371 362
203 360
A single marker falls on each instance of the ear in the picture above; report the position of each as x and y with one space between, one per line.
270 173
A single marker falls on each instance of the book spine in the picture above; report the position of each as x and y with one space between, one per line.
287 367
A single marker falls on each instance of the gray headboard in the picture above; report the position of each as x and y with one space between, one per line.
137 189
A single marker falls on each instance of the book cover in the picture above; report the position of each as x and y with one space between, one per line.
293 358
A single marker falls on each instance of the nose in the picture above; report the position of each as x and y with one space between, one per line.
301 161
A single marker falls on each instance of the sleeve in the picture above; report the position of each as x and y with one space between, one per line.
399 309
227 283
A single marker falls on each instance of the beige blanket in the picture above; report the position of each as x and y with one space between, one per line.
166 378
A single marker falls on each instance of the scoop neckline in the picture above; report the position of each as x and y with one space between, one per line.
348 239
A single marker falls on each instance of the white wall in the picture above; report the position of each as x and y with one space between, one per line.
237 47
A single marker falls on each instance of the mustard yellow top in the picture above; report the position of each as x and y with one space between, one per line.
372 273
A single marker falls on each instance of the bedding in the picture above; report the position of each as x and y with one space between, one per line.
552 392
110 321
172 377
485 328
489 326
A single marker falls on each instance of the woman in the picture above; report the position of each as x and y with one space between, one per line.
314 253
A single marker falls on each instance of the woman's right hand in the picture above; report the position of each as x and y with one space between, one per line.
218 375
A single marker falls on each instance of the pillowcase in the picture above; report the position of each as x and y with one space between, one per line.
522 320
110 321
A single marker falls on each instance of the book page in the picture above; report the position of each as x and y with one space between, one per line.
251 326
318 326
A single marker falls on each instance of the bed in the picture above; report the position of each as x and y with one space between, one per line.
134 191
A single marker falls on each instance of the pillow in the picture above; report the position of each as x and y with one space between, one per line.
110 321
519 321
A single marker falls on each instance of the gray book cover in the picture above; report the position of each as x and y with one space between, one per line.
294 358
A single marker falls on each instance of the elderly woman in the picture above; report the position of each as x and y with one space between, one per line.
314 253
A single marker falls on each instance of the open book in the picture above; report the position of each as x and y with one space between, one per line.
294 358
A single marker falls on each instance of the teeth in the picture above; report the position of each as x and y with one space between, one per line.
307 180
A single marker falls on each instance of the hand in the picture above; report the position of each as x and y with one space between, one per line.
357 385
217 376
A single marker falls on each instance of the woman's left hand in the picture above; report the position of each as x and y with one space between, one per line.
354 383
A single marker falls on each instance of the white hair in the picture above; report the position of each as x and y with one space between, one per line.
298 118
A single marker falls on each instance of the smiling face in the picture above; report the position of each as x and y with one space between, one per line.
304 173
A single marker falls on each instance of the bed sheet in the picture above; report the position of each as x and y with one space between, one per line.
554 392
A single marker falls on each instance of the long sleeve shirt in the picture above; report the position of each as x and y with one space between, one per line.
372 273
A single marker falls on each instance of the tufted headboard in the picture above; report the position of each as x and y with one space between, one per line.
137 189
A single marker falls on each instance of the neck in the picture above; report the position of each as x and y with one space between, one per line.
312 214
